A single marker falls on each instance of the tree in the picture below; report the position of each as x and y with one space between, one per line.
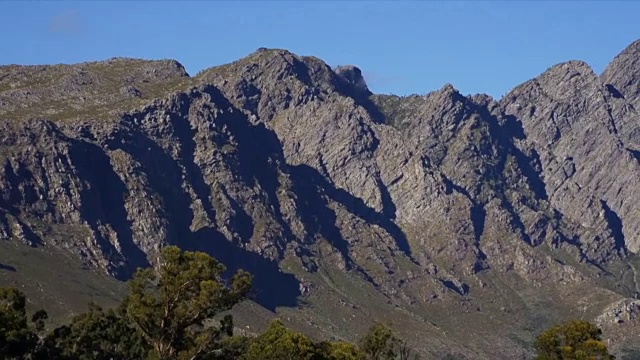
381 344
233 347
281 343
573 340
17 337
172 306
340 350
95 335
378 343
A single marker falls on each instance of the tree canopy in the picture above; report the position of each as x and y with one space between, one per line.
168 314
95 335
172 306
175 311
16 336
281 343
381 344
573 340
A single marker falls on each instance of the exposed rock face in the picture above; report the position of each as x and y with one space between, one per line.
456 210
623 73
354 77
571 122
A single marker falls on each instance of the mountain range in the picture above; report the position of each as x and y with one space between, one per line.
467 223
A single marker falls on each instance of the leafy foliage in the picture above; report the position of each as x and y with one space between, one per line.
167 315
381 344
279 342
574 340
16 336
170 312
96 334
169 306
340 351
233 347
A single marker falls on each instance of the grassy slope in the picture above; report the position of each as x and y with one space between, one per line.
54 280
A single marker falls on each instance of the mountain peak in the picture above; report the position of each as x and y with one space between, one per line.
623 73
448 88
448 93
266 53
634 47
265 50
272 61
573 65
353 75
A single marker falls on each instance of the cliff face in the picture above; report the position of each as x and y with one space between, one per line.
450 215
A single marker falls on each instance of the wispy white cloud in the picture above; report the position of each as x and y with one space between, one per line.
383 80
68 22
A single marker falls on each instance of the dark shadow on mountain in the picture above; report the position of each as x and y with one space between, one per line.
314 210
477 213
374 111
364 100
12 178
615 224
301 70
29 237
309 179
164 173
185 134
535 180
164 177
530 167
460 289
615 93
4 267
271 287
21 191
362 97
388 206
258 155
357 207
478 218
102 200
517 222
577 243
240 221
251 95
635 154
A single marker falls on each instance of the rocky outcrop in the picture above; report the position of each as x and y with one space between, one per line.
453 210
623 74
571 122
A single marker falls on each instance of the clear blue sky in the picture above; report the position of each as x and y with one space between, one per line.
402 47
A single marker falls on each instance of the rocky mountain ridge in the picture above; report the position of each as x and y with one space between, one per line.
451 210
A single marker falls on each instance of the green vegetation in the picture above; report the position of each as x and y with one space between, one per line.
278 342
96 334
55 279
396 109
169 307
573 340
169 314
17 336
380 343
175 311
95 90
